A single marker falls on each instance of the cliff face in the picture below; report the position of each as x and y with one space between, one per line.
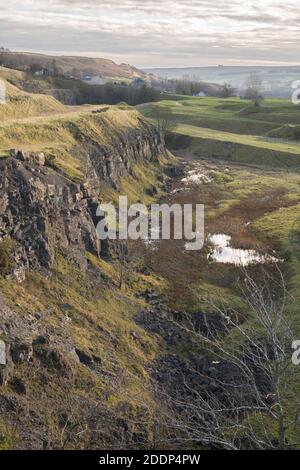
136 145
43 211
67 332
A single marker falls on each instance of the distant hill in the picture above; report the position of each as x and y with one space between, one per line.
77 66
277 81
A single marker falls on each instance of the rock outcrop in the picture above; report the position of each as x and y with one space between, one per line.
43 211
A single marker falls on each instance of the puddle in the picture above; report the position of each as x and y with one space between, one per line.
224 253
179 190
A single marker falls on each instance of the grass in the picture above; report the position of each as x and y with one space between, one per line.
96 311
65 135
229 115
229 129
270 201
101 318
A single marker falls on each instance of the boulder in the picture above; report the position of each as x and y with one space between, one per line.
18 385
32 158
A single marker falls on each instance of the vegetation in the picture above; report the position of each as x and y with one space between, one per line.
231 129
254 89
96 306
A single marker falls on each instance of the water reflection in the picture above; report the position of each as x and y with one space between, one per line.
223 253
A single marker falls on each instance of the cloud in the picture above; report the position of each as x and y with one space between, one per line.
156 32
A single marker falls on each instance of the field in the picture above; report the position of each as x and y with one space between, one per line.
231 129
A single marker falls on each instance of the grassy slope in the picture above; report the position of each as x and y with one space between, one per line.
230 130
57 129
20 104
84 65
101 316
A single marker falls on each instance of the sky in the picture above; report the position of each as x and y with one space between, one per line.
157 33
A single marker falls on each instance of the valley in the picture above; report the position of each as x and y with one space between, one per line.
99 351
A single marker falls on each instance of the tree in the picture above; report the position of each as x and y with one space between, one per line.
34 67
164 121
254 89
227 91
246 405
130 260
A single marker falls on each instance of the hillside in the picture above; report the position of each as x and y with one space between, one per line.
231 130
73 350
95 334
73 65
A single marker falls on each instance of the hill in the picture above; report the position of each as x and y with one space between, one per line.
230 129
286 132
76 66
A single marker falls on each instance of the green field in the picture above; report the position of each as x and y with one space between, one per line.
231 129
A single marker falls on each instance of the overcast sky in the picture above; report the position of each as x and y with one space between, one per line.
164 33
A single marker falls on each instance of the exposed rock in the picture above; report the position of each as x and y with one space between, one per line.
43 213
21 351
136 336
152 191
84 358
32 158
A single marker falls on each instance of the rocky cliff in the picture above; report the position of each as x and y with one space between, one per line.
43 210
68 338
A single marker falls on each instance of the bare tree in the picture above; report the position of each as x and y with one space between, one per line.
227 91
254 90
249 403
164 121
130 259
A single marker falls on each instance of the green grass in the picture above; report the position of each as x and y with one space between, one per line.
229 115
230 129
65 135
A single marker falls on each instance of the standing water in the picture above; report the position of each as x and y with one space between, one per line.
223 253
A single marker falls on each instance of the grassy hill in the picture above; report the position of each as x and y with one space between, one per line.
231 129
21 104
63 135
74 65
